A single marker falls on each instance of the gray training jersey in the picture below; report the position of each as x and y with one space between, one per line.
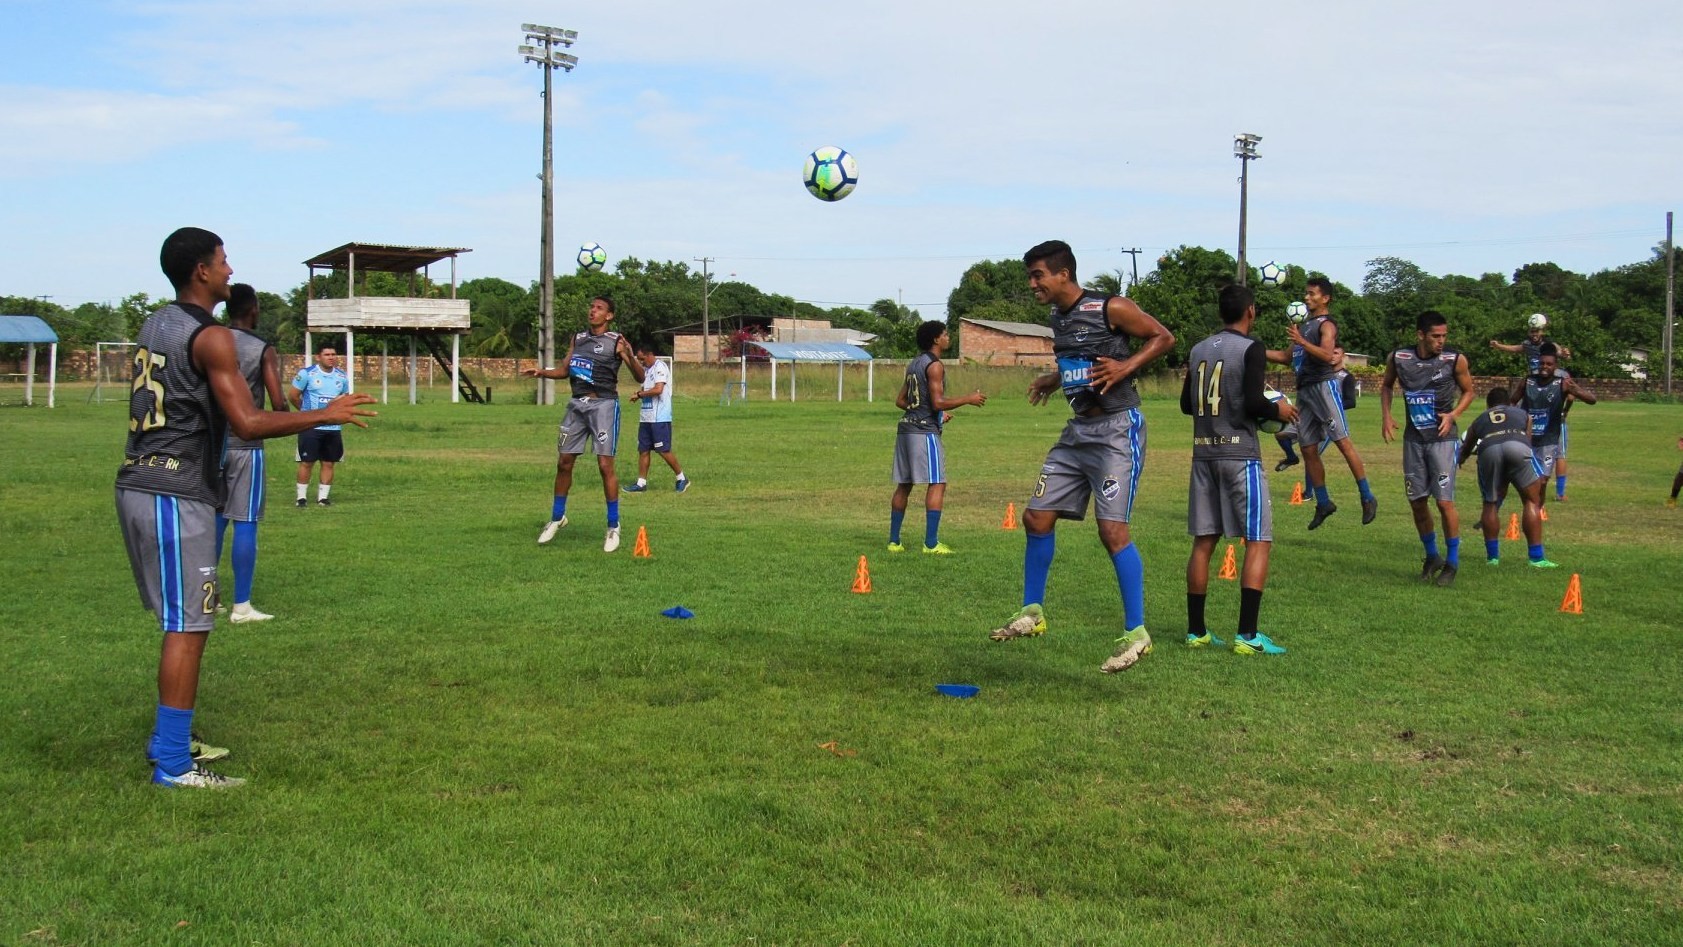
1429 389
593 365
1220 428
1500 424
1080 337
249 347
1311 370
921 416
175 425
1546 403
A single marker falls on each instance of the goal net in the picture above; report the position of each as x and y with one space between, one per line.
113 371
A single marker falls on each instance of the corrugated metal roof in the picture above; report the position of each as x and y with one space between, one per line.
384 257
1013 328
26 329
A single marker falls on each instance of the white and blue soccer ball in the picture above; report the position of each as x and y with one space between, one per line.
592 257
1268 425
1272 273
830 173
1297 312
1537 321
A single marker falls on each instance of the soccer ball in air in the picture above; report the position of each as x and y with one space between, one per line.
1272 273
830 173
1537 321
592 257
1269 425
1297 312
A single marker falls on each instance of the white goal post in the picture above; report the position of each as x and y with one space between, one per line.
112 361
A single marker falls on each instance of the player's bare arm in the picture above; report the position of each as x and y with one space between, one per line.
1464 379
626 355
1040 390
642 393
1574 390
1505 347
938 391
1125 315
271 380
213 353
1387 426
1327 351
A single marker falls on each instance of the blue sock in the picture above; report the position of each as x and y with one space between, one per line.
559 508
931 527
221 526
1535 552
1560 486
1037 565
895 518
1130 576
245 560
1367 492
1430 541
1322 498
1493 549
1453 553
613 513
170 736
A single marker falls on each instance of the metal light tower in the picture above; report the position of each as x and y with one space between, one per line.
1244 148
547 54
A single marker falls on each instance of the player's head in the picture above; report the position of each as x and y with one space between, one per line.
193 255
1548 357
646 353
327 356
601 312
242 305
1317 293
1236 302
1432 329
929 334
1051 269
1497 397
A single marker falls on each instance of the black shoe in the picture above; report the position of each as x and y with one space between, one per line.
324 501
302 503
1446 577
1370 509
1288 462
1321 514
1431 567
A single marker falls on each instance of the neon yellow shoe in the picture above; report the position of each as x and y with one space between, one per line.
896 547
939 549
1027 623
1130 648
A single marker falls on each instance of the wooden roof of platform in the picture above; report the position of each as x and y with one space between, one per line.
384 257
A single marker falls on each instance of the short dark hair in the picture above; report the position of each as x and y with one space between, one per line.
646 348
1548 348
325 346
242 301
607 300
1056 254
1429 320
1321 283
928 332
1497 396
184 250
1235 301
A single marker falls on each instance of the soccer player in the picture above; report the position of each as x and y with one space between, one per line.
1314 356
918 454
243 467
1228 495
1102 450
187 392
654 420
592 415
1532 347
1437 386
1544 398
314 386
1502 437
1677 481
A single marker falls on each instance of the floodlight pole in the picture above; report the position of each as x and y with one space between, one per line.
1244 148
706 294
547 56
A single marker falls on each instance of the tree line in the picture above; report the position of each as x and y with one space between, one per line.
1602 316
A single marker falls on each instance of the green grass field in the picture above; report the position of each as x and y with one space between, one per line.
454 735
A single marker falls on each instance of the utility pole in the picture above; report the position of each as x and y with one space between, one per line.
1244 148
1670 299
706 293
1134 258
550 58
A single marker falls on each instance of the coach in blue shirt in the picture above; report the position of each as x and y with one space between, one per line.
313 387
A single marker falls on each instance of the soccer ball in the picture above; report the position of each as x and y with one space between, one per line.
830 173
1272 273
592 257
1537 321
1269 425
1297 312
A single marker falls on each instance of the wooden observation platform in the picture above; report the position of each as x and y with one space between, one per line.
423 320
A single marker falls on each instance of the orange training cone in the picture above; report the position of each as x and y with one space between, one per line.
1229 568
641 549
862 579
1010 517
1513 526
1297 493
1573 603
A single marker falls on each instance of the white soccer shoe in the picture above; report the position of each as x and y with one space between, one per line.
549 530
196 778
611 541
243 612
1130 648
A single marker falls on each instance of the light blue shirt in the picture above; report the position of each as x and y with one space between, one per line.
319 388
659 407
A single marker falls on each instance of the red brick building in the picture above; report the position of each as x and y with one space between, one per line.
1005 343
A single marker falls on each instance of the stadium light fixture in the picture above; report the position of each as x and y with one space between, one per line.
1244 148
544 47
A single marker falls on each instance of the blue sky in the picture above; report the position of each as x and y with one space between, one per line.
1468 138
